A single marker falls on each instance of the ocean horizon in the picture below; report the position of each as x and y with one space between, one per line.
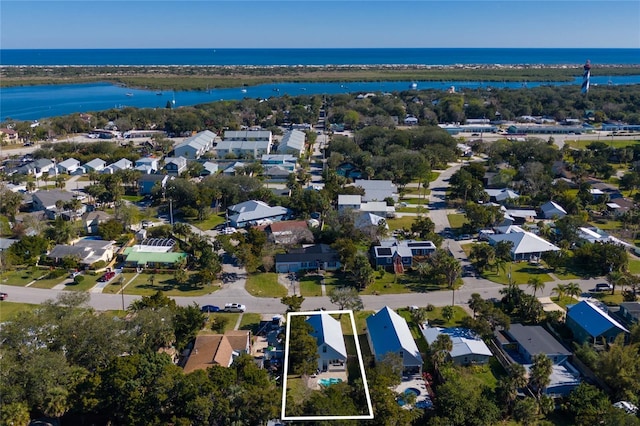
318 57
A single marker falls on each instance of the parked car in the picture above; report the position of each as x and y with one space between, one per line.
229 231
74 274
603 287
234 307
210 308
107 276
3 296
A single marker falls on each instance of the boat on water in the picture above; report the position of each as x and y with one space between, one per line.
159 93
243 90
413 85
129 94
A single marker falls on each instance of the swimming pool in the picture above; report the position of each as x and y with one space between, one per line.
328 382
408 391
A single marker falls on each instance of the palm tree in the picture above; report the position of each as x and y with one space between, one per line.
440 348
560 290
616 278
540 372
536 284
573 290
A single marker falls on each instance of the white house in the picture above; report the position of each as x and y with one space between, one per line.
95 165
195 146
388 333
253 212
68 166
468 347
86 251
526 245
377 190
121 164
552 210
147 165
245 143
331 347
356 204
292 143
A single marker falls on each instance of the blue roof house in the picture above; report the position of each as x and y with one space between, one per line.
388 332
591 324
331 347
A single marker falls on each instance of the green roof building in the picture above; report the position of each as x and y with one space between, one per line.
144 259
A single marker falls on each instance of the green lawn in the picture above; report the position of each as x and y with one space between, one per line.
250 321
142 286
413 208
230 318
210 222
87 283
21 277
265 285
566 300
614 143
609 299
9 310
133 198
608 225
400 222
565 274
456 220
634 266
49 282
520 274
114 286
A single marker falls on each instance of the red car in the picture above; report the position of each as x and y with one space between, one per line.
107 276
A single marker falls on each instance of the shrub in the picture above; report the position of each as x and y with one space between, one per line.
98 265
430 307
56 273
78 279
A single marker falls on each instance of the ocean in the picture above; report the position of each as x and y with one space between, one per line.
38 102
294 57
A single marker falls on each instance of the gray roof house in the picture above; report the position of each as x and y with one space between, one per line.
92 220
292 143
355 203
552 210
501 195
147 165
307 258
331 347
388 332
526 245
377 190
209 168
46 200
195 146
87 252
147 182
5 243
121 164
68 166
175 165
254 212
95 165
468 348
630 311
523 342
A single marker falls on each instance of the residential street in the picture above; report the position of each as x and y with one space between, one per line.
234 277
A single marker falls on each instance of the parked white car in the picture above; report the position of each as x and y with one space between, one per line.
234 307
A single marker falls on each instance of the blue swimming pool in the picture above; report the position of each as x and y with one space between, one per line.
329 381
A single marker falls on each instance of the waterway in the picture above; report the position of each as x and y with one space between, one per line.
38 102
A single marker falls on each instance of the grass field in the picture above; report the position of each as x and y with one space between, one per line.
520 274
250 321
456 220
265 285
613 143
142 286
634 266
87 283
400 222
21 277
229 319
9 310
49 282
114 286
209 223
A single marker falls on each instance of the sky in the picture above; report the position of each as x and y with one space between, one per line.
92 24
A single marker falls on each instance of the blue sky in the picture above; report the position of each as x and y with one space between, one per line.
306 23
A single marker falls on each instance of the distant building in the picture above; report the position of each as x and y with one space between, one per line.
253 212
313 257
377 190
293 142
400 254
194 147
68 166
46 200
87 252
552 210
175 165
146 183
95 165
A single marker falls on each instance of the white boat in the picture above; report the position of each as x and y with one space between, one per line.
413 85
129 94
244 90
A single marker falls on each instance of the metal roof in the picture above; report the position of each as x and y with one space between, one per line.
592 319
535 340
389 332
